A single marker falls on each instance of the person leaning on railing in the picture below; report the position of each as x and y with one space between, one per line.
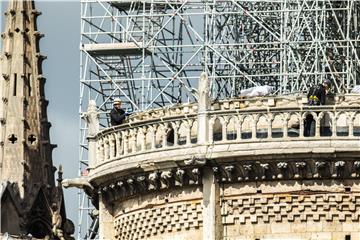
316 96
117 114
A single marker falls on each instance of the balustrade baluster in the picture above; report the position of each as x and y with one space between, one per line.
269 127
134 140
301 126
285 127
153 136
211 130
318 123
112 146
99 152
125 141
188 132
163 137
253 126
333 125
143 138
351 118
106 148
238 128
118 144
176 127
224 122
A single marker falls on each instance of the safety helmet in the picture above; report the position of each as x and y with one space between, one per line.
327 82
117 101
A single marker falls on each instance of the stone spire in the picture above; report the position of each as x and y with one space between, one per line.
25 152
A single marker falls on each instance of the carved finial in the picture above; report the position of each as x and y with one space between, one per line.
92 118
204 92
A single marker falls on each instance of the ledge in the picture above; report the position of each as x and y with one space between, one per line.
179 137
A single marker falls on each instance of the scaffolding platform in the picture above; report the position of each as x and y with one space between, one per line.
124 5
114 49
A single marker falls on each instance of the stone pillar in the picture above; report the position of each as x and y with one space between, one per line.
106 220
92 118
212 226
203 106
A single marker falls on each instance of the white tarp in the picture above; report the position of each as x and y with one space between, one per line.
256 91
356 89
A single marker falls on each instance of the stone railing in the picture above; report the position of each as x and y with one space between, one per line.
145 136
234 125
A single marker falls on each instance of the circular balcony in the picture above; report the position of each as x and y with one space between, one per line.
235 131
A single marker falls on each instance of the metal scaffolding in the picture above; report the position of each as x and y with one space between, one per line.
150 53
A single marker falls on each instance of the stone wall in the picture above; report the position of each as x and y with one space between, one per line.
291 210
265 210
165 215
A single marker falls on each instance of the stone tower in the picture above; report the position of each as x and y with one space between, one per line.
28 190
233 169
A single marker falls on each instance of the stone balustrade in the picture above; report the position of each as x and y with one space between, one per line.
174 132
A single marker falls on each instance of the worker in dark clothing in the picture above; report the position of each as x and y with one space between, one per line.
117 114
316 96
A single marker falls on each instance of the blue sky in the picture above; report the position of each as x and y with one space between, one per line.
60 22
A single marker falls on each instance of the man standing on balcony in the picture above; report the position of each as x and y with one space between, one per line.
316 96
117 114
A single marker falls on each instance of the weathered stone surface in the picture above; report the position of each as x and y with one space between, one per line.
31 202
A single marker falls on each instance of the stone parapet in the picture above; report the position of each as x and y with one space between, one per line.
169 140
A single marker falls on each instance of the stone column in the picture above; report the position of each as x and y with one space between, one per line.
92 118
203 106
212 226
106 220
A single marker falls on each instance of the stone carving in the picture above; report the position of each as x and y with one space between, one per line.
229 173
56 222
339 169
248 169
264 169
165 178
121 188
195 161
81 183
131 186
356 171
142 183
300 169
194 176
320 169
153 181
179 177
204 88
282 166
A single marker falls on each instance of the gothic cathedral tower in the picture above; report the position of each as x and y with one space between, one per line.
29 195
